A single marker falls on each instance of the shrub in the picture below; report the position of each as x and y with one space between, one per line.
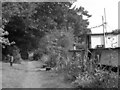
16 55
52 61
37 56
100 79
56 46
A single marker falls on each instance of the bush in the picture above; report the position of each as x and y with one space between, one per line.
98 80
16 54
17 58
4 58
71 71
56 46
52 61
37 56
24 55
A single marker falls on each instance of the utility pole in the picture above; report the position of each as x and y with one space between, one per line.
105 24
105 20
103 31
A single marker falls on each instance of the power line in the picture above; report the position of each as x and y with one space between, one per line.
99 25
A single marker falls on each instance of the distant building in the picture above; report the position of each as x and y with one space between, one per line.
111 40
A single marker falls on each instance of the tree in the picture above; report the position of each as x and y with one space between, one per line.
2 39
28 22
57 15
16 18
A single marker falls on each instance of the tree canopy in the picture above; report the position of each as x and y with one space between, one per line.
28 22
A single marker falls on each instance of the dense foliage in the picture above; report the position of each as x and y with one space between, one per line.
28 22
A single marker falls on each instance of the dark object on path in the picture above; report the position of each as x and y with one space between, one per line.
45 67
48 68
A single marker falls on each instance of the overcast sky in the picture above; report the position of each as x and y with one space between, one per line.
96 9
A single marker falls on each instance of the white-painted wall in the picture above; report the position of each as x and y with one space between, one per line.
111 41
96 40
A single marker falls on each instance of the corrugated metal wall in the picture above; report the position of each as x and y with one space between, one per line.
110 57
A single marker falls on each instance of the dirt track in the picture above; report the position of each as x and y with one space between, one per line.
28 75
